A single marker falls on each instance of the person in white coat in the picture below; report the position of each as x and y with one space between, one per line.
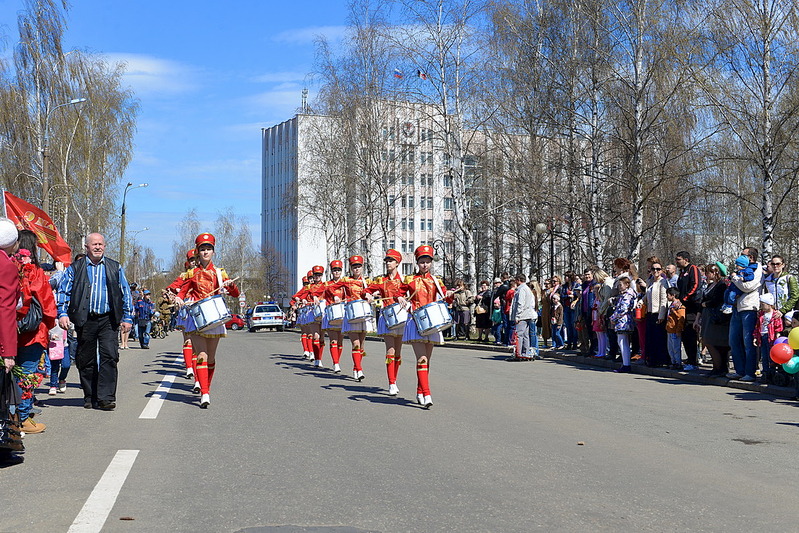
523 314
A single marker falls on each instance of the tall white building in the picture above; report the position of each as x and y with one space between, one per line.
307 218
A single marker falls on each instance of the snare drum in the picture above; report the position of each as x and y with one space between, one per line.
335 314
432 318
395 315
209 312
317 312
358 311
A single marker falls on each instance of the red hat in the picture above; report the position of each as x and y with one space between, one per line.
356 260
318 269
205 238
191 254
336 264
310 273
304 279
424 251
394 254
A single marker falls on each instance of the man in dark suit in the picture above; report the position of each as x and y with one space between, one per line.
95 296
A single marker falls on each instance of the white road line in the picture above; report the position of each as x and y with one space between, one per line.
96 509
157 399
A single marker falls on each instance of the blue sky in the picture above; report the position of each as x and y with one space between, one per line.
208 75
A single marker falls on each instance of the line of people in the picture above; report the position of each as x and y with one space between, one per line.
393 294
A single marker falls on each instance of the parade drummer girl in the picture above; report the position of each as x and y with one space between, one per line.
421 289
203 281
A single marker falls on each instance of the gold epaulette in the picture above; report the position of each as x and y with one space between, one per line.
408 279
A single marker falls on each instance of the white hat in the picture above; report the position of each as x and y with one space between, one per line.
789 315
8 233
767 298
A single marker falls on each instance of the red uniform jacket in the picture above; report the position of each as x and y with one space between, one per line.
202 282
388 288
422 290
354 289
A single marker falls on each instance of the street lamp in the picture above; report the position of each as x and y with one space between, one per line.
128 187
43 153
437 245
135 252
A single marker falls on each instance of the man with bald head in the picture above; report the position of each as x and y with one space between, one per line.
95 296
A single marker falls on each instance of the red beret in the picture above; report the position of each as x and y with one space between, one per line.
356 260
424 251
394 254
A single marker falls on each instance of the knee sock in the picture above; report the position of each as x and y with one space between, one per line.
318 348
304 341
187 355
357 356
201 373
211 368
391 369
334 353
422 378
397 363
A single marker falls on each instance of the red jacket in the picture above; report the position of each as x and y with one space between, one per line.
9 296
34 282
774 327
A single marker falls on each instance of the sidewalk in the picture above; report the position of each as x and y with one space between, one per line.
574 358
694 376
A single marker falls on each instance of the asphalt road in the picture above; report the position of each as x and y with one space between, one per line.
545 446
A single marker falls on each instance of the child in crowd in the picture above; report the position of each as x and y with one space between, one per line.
744 271
598 323
675 323
59 356
767 329
557 321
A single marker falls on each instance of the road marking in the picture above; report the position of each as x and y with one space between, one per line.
157 399
96 509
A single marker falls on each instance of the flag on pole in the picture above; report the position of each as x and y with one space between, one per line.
28 216
398 73
422 74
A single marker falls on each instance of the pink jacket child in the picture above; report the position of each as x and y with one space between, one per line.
774 326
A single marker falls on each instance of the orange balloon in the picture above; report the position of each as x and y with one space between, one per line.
781 353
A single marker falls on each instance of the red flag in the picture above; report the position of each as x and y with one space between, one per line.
28 216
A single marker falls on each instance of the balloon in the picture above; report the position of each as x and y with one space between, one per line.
793 338
792 366
781 340
781 353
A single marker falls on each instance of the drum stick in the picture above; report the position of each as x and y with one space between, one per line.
220 288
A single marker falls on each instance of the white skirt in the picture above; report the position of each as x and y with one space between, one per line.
214 333
411 334
382 329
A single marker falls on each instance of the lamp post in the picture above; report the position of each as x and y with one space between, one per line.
128 187
135 253
43 153
438 244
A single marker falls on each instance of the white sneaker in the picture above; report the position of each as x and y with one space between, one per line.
393 390
189 373
355 374
307 355
420 399
359 375
53 391
62 386
337 368
318 363
196 388
428 402
205 401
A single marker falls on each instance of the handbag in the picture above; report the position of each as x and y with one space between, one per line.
10 430
32 319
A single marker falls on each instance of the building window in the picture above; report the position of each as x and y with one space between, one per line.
407 269
447 180
449 204
429 224
430 202
404 224
411 202
407 155
426 157
446 159
407 180
448 224
404 201
392 223
391 200
410 224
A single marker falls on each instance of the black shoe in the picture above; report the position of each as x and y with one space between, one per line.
106 406
623 369
87 404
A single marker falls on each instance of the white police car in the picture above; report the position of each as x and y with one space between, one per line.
266 315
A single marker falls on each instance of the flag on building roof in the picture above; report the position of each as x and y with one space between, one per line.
398 73
422 74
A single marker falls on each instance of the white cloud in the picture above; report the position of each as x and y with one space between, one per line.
308 35
151 76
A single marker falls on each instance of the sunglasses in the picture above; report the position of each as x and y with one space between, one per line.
655 268
774 263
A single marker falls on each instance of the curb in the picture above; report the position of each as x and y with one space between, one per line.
573 358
